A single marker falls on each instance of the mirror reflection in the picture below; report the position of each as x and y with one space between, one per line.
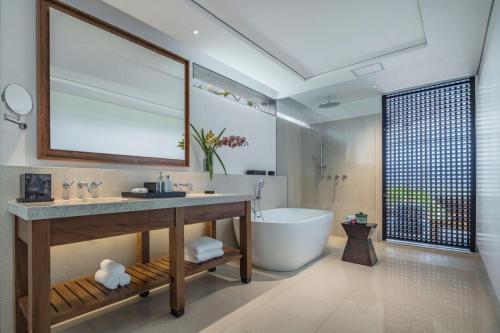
110 95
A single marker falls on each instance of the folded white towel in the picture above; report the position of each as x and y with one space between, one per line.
110 281
202 245
139 190
124 279
202 257
112 267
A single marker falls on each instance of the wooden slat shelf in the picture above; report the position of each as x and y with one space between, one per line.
76 297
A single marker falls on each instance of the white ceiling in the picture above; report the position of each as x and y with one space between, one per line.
316 37
438 40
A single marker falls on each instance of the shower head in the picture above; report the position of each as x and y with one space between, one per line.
328 104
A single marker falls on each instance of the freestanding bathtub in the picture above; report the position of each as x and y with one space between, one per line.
286 239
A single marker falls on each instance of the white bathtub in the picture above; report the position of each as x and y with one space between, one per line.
288 238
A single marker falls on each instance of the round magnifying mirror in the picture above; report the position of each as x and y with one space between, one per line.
17 99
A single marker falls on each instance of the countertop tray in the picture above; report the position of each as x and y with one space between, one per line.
154 195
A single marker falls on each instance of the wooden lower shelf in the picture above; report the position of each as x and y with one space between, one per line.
76 297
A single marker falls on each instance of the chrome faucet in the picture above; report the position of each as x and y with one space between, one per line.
66 193
257 198
94 185
91 187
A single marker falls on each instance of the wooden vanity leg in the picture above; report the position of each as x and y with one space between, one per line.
176 254
212 232
143 252
20 277
39 287
246 244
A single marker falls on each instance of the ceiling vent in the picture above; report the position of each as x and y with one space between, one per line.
369 69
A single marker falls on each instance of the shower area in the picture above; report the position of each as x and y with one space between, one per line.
333 165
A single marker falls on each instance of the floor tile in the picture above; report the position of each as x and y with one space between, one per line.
410 290
305 307
268 320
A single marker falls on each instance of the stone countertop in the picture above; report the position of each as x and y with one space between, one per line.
86 207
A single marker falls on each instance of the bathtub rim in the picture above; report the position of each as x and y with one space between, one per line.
326 213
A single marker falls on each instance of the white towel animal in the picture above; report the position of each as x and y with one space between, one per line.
202 245
124 280
139 190
110 281
112 274
112 267
202 257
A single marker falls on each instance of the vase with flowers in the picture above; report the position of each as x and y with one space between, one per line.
210 143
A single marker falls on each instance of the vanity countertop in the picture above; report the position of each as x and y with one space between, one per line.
86 207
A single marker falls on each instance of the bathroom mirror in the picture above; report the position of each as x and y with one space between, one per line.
107 95
17 99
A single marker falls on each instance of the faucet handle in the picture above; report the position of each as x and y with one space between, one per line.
67 184
95 184
93 188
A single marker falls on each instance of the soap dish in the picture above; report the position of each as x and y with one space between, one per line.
154 195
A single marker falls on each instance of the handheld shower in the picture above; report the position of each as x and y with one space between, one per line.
258 196
258 190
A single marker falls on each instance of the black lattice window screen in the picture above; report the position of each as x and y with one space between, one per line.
429 172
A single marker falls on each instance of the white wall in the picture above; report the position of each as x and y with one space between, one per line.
18 65
216 113
488 152
292 108
352 146
289 159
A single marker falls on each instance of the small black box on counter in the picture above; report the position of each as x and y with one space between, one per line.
35 187
256 172
150 186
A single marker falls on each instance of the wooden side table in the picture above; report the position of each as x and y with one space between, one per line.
359 248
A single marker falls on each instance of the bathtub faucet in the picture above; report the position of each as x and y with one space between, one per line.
258 196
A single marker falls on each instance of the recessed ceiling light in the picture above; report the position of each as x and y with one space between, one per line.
374 86
195 32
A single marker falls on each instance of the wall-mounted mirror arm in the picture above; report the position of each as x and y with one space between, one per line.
18 102
16 120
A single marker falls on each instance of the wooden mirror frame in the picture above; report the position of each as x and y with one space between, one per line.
43 89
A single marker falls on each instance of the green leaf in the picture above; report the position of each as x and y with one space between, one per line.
201 145
220 134
221 163
199 139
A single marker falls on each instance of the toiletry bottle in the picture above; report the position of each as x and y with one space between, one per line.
159 184
169 186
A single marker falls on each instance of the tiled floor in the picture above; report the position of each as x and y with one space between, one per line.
410 290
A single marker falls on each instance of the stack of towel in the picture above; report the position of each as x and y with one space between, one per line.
112 274
202 249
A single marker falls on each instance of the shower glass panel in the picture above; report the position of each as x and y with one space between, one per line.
332 166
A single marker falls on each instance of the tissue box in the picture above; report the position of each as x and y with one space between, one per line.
361 218
35 187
